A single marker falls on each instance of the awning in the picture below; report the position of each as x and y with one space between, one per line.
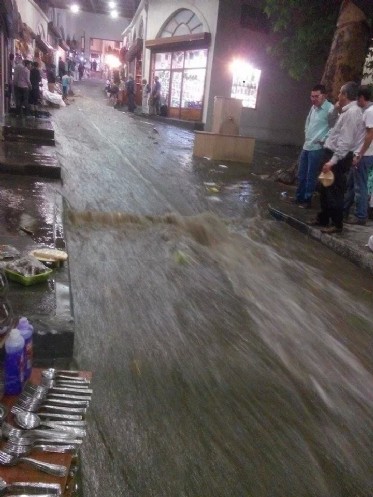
42 45
26 34
122 54
185 42
54 30
134 50
62 43
9 12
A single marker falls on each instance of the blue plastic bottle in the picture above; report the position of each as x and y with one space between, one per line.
14 362
26 329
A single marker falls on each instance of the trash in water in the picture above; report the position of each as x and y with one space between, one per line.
212 187
223 166
208 158
213 198
284 194
155 131
181 257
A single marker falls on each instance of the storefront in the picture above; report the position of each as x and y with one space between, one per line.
9 18
182 74
203 50
178 55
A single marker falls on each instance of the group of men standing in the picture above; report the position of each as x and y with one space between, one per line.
339 139
26 84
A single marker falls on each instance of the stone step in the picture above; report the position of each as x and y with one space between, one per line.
27 129
29 159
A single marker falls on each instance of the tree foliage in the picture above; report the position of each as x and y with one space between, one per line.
304 30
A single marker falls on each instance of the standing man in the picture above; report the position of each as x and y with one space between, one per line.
316 130
130 88
61 68
22 86
362 163
156 96
338 154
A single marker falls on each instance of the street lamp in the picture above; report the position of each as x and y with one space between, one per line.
112 5
74 8
114 14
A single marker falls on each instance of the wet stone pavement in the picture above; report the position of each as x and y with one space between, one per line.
31 217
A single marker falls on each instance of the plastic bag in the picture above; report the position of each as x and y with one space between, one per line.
27 266
370 243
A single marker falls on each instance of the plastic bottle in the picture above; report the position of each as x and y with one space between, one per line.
26 329
14 362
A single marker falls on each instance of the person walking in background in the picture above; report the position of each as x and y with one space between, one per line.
34 97
156 97
66 84
22 86
51 78
145 96
61 68
342 141
362 164
130 89
81 70
316 129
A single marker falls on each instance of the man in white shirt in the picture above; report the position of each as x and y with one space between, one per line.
362 163
338 154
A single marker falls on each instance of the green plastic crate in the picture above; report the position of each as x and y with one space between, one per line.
28 280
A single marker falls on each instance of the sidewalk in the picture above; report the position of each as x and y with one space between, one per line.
31 215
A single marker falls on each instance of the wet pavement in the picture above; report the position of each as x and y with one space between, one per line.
31 213
232 355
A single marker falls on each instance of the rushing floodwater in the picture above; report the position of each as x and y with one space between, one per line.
238 367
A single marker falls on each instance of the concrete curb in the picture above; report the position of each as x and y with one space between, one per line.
345 248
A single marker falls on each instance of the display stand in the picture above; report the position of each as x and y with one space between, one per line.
224 142
23 472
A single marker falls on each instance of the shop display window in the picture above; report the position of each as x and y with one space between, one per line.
196 58
177 60
245 83
162 61
193 88
164 79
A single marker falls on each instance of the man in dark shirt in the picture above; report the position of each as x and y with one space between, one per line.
130 88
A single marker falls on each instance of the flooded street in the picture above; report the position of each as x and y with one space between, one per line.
232 356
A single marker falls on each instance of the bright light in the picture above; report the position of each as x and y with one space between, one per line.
74 8
245 82
112 61
112 5
114 14
240 67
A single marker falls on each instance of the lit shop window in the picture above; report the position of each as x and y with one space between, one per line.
245 83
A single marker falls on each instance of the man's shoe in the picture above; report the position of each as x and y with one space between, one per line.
331 229
315 222
357 221
305 205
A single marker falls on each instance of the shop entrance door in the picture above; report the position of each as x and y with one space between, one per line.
175 94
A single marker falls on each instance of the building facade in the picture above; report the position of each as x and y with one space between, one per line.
201 50
9 21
